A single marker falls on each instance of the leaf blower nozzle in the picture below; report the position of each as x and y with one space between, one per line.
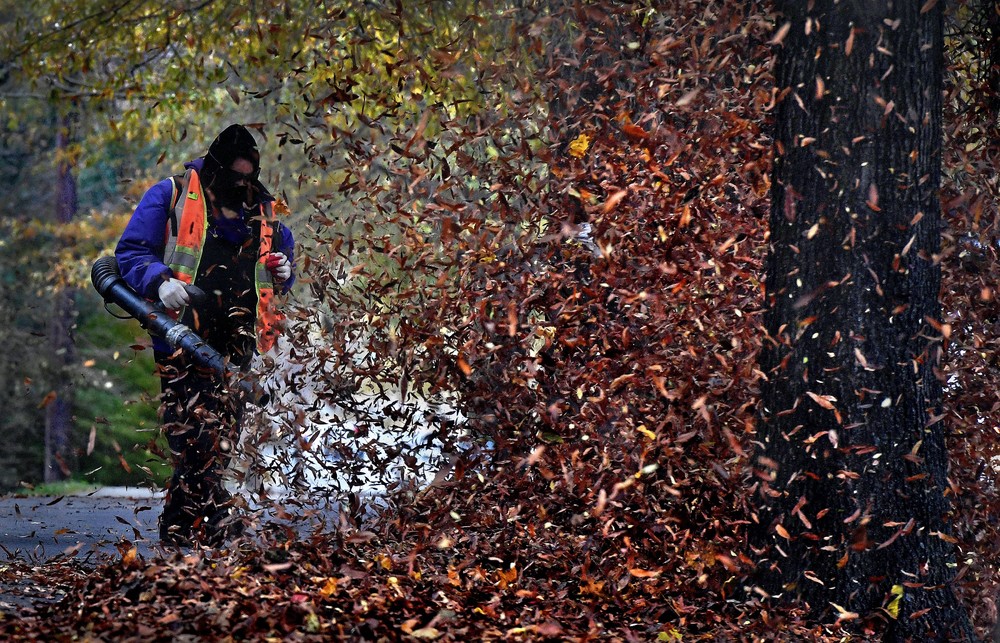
104 273
109 284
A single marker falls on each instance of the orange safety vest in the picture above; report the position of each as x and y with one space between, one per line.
185 244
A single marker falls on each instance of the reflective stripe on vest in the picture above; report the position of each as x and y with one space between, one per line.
183 251
268 319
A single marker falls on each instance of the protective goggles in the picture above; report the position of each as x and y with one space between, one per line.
232 177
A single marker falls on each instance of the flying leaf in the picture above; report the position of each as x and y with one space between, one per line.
893 607
781 33
872 201
48 399
826 401
687 98
614 200
635 132
843 614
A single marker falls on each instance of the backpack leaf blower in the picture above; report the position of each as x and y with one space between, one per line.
154 318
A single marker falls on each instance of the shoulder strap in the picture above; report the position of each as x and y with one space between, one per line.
175 195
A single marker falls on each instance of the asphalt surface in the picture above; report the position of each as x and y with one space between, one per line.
97 527
87 528
39 528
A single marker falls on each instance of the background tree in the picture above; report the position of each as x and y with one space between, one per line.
59 402
853 460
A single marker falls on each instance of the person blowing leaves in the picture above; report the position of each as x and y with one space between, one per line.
212 227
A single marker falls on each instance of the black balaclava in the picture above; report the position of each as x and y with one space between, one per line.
234 142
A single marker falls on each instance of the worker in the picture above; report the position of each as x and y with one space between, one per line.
214 228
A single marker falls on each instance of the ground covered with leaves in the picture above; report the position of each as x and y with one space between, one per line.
499 582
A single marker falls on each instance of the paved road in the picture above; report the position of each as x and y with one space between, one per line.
84 526
89 528
36 530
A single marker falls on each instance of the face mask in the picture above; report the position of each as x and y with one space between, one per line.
231 196
232 189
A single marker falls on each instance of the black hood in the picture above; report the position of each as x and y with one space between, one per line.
234 142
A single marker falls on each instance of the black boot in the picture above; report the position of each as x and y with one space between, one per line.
222 525
177 519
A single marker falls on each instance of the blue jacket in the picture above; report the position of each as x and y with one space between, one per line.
140 250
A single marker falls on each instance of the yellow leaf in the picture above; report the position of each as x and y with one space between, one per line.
579 146
129 557
670 634
329 588
426 633
646 432
893 607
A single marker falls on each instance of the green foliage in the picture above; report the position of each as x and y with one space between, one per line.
25 377
71 487
31 267
115 402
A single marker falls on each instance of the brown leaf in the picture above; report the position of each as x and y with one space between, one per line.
781 33
635 132
826 401
614 200
872 201
687 98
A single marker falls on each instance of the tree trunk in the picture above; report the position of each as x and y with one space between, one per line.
852 477
59 411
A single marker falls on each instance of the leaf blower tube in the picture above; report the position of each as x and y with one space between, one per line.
110 285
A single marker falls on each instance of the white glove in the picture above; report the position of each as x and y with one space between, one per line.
584 230
283 270
172 294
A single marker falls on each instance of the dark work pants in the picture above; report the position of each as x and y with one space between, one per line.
201 421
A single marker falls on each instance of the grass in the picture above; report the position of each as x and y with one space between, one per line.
67 488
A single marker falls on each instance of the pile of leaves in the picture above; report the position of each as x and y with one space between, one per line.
574 268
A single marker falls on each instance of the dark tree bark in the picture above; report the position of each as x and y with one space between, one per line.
59 411
853 466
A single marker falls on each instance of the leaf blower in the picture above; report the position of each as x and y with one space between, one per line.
155 319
